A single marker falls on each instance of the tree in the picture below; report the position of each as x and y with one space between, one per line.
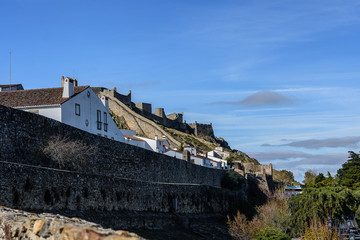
271 221
309 177
319 203
271 233
349 173
284 177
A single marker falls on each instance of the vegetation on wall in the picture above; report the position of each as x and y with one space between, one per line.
63 151
120 121
232 180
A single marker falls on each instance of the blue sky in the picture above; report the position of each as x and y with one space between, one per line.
278 79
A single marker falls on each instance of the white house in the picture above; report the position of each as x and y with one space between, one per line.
200 160
218 162
77 106
219 153
134 140
192 150
174 153
156 145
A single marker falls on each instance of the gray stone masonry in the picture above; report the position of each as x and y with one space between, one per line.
23 135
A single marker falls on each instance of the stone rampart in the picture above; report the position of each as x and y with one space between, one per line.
204 130
126 99
258 169
138 122
23 135
145 109
45 189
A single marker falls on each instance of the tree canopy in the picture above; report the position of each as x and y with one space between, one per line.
349 174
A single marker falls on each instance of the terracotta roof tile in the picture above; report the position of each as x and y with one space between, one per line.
36 97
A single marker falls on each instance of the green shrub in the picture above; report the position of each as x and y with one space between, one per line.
271 233
232 180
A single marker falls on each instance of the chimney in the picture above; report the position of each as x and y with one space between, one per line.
68 87
156 137
105 101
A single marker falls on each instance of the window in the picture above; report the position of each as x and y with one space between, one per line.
77 109
105 122
99 120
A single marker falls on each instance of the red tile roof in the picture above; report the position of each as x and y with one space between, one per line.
36 97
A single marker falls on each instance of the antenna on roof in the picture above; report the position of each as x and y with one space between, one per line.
10 70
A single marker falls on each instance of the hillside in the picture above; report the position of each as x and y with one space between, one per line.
128 116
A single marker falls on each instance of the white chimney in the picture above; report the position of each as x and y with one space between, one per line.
156 137
105 101
68 89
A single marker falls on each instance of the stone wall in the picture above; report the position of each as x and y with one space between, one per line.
258 169
139 123
204 130
126 99
23 135
145 110
45 189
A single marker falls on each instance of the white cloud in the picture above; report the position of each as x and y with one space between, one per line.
262 98
349 141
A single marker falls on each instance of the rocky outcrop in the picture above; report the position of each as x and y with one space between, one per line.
16 224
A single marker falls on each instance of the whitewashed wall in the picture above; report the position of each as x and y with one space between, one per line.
53 112
89 104
173 153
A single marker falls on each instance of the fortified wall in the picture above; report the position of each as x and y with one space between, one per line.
23 135
203 130
174 120
119 177
263 172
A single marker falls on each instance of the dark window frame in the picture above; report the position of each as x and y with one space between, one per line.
105 122
98 122
77 107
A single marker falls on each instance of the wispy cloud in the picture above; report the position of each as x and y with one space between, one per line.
292 159
349 141
262 98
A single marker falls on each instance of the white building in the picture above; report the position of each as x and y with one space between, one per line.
218 162
136 141
200 160
219 153
174 153
77 106
156 145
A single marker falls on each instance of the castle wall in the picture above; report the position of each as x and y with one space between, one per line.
44 189
202 129
258 169
23 135
126 99
144 109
